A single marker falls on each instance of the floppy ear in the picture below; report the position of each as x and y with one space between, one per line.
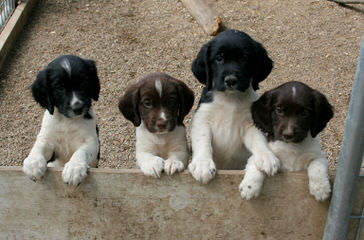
42 92
263 65
322 113
200 66
186 97
262 113
95 82
129 105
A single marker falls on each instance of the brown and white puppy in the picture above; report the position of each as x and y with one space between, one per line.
292 115
157 105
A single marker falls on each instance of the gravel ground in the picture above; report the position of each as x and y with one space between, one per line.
315 41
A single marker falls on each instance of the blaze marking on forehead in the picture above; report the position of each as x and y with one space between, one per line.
293 91
158 86
163 116
75 100
66 66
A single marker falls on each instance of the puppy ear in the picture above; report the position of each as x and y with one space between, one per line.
42 92
129 105
322 113
262 113
95 82
200 66
187 98
263 65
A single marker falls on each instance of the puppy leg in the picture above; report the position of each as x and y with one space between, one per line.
176 162
35 164
252 182
202 166
151 165
256 143
319 183
75 170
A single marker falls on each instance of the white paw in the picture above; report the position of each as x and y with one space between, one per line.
320 188
267 162
74 172
171 166
35 167
153 167
250 188
202 170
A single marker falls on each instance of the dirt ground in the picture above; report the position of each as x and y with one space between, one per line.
315 41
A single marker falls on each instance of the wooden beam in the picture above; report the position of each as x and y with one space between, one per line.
204 15
13 27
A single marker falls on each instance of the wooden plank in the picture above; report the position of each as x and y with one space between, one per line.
13 27
112 204
204 15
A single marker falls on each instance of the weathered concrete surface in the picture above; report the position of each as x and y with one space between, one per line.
124 204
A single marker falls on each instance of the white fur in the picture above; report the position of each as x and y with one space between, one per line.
158 87
157 152
293 157
163 115
73 140
75 100
66 66
223 135
293 91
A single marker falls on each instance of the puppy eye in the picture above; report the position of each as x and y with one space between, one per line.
147 104
219 58
279 111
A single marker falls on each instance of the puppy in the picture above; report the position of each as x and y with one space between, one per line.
223 134
157 105
68 134
292 115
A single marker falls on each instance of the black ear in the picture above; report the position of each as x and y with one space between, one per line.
187 98
129 105
262 113
95 82
322 113
263 65
200 66
42 92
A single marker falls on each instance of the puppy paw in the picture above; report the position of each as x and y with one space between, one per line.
320 188
171 166
34 167
74 172
202 170
250 188
153 167
267 162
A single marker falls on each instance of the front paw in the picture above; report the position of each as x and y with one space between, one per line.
202 170
250 188
74 172
320 188
171 166
267 162
153 167
34 167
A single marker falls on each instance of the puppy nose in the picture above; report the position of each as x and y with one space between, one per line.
288 133
230 80
161 124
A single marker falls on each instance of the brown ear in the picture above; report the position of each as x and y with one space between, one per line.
129 105
187 98
323 113
262 112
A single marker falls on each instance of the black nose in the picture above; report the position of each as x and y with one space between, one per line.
230 80
288 133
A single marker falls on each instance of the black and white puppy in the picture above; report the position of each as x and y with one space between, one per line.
157 105
223 134
68 135
292 115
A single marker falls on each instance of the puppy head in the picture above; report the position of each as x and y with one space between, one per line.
291 111
159 100
67 83
232 61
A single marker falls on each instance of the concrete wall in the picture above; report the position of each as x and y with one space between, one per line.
115 204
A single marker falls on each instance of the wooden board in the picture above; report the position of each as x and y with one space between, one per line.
114 204
13 27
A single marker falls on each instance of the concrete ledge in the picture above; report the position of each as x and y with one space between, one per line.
13 27
114 204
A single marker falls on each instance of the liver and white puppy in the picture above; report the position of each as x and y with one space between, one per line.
223 134
157 105
68 134
292 115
